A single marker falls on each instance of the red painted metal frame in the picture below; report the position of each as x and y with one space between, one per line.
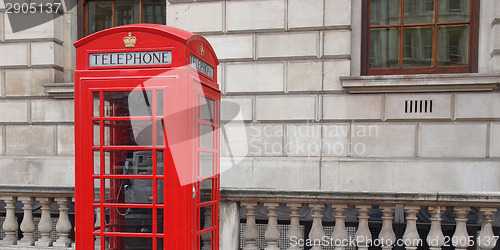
182 89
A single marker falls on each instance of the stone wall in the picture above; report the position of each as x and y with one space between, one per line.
282 62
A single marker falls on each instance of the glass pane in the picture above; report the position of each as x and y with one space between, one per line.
205 217
100 13
159 244
159 221
159 102
96 104
129 133
126 12
454 11
128 243
160 139
130 191
453 45
97 190
97 132
126 162
418 11
154 11
417 47
384 12
207 109
206 190
159 162
159 191
206 136
206 163
97 162
384 48
206 240
128 103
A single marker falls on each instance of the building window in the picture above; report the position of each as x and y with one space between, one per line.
419 36
99 15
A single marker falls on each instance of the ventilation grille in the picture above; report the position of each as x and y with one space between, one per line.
418 106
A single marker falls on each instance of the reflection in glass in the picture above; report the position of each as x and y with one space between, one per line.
153 11
100 13
206 136
160 139
206 163
418 11
384 12
206 186
129 133
126 12
207 109
206 240
417 47
453 45
159 102
159 221
454 11
128 103
384 44
97 131
96 104
205 217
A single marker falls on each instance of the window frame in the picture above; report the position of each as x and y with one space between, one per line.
472 67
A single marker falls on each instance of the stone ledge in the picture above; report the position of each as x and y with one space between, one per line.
60 90
421 83
37 190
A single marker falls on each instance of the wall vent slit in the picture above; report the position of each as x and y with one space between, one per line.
418 106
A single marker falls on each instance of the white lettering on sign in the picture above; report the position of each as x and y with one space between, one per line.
202 66
130 58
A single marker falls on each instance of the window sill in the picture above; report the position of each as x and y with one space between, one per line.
421 83
60 90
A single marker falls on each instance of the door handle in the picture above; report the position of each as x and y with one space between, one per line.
194 192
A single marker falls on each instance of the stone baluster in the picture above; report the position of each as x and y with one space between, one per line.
45 223
460 239
27 225
363 234
486 239
272 233
206 237
387 236
340 236
10 224
294 233
435 238
317 233
251 232
411 237
63 225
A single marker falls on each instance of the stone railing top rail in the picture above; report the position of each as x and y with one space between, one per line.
36 190
481 199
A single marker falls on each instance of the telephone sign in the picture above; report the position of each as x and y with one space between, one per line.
147 140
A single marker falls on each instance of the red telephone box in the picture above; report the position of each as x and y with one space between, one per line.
147 140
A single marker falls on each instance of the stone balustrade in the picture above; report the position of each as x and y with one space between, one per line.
53 203
278 219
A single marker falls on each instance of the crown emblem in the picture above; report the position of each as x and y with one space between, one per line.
129 40
202 51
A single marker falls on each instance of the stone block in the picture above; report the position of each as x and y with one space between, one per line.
66 140
30 140
303 140
21 171
236 108
29 82
239 175
275 108
352 107
235 140
52 29
329 175
2 5
52 111
2 133
14 111
265 140
337 43
255 15
196 17
46 53
477 105
452 140
254 77
336 139
418 106
495 140
496 36
333 70
383 140
2 83
305 13
304 76
286 173
59 171
14 54
233 46
2 26
337 13
293 44
419 176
